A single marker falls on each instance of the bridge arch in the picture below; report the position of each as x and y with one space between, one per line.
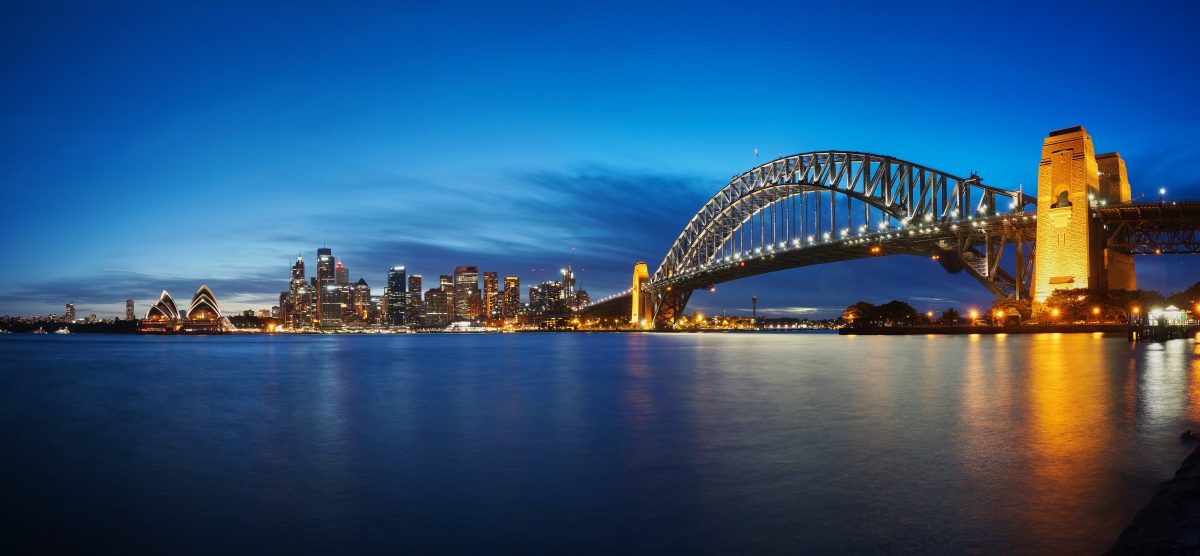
809 198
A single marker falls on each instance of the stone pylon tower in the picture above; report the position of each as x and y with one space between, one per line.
641 309
1071 250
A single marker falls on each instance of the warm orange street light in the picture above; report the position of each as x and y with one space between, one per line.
1054 313
974 315
1137 310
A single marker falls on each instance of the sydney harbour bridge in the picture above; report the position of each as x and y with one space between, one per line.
1081 229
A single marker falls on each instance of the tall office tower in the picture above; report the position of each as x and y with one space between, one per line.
296 311
491 296
413 307
327 301
69 315
361 296
568 283
511 306
394 293
345 297
437 306
128 309
282 312
341 274
466 292
446 284
298 269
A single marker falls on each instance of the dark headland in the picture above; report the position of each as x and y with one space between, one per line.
1170 522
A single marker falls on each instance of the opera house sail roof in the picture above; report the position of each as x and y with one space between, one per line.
163 309
204 305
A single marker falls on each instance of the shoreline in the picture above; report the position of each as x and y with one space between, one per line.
1170 522
1106 329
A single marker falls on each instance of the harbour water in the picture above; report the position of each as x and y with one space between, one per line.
587 443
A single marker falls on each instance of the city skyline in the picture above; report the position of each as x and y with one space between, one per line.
552 148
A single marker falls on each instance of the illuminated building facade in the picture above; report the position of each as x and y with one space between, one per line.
511 307
438 306
395 294
129 309
360 294
491 296
297 305
328 304
69 314
414 309
467 302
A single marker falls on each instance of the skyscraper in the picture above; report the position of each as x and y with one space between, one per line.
345 299
491 296
512 298
327 302
394 294
128 309
69 315
437 306
466 293
296 308
414 309
361 295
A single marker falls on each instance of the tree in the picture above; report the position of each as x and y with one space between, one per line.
1006 309
949 317
896 312
1186 299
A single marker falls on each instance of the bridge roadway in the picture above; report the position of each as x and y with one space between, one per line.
1136 228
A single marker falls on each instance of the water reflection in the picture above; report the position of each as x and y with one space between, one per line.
763 443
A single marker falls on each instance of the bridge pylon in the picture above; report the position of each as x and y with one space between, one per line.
1071 250
642 311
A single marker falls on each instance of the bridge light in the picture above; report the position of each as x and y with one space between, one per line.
826 235
928 217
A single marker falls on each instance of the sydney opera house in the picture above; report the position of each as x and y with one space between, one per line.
204 314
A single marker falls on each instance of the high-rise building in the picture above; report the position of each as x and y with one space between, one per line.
413 307
129 309
568 283
341 274
328 304
467 304
361 296
437 306
511 307
69 315
296 306
491 296
394 294
345 295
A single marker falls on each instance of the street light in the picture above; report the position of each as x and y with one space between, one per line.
1162 192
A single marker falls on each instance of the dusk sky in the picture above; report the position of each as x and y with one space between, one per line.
150 147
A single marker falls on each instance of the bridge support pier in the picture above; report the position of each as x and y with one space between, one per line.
669 306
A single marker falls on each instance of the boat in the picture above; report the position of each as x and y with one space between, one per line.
62 330
40 330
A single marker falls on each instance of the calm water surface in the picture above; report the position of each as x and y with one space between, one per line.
783 443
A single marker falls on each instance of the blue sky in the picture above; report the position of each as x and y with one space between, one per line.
158 146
